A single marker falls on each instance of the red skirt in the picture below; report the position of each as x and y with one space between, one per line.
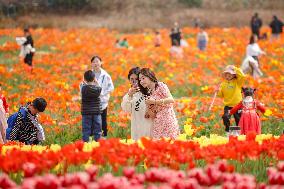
250 122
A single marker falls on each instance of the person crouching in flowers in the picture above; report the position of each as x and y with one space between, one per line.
27 129
249 121
159 102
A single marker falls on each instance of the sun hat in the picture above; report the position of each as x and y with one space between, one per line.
229 69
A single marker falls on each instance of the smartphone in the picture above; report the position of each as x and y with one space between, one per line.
135 84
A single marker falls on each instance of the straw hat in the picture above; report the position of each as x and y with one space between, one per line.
229 69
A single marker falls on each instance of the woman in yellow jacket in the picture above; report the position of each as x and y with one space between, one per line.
231 91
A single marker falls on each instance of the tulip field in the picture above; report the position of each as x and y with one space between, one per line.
201 157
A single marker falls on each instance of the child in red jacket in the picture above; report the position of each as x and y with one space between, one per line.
249 121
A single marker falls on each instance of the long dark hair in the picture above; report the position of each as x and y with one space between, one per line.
94 57
151 75
134 70
248 91
251 39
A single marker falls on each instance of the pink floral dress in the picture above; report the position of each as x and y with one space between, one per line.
3 120
165 123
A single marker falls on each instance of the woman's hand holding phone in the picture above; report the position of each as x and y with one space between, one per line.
133 90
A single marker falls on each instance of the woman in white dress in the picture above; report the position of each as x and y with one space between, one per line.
253 49
134 103
250 66
176 50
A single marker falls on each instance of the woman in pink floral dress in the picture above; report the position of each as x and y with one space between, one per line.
159 105
3 121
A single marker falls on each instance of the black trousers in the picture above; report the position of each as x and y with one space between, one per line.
226 117
256 32
29 59
104 122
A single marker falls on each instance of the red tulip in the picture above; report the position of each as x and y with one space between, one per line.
92 171
6 182
51 181
128 172
199 175
29 169
227 177
280 166
81 178
228 185
191 183
214 174
281 178
203 119
29 183
40 184
246 185
272 172
261 186
138 178
66 180
222 166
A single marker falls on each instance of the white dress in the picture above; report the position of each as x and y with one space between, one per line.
176 52
140 126
253 50
250 66
183 43
25 49
3 123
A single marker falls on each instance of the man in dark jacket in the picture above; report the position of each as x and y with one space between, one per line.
91 107
175 35
256 24
276 28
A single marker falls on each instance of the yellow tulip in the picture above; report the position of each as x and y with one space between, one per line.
89 146
55 147
127 141
262 137
205 88
268 112
188 130
242 137
188 120
182 137
88 164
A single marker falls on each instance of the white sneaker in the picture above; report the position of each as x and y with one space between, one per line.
227 134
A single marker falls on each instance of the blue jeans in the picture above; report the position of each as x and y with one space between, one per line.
202 45
91 126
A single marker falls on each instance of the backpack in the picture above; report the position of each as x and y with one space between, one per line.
12 121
